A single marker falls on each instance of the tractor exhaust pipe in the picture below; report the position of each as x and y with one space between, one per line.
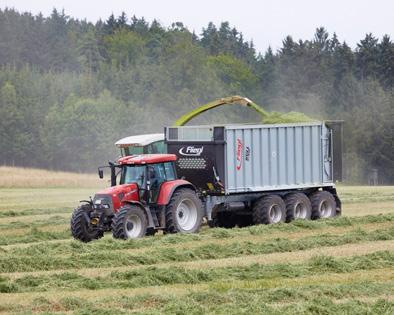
113 173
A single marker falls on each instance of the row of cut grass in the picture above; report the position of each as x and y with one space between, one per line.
278 283
12 263
205 235
281 257
157 276
112 276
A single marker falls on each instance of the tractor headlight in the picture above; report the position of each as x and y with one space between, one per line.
101 203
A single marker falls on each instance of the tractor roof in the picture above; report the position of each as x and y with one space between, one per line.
140 140
147 159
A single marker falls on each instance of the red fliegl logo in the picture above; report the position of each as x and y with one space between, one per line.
239 154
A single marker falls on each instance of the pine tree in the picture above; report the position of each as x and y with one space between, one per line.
366 57
385 66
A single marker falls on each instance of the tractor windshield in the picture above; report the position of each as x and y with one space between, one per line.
133 174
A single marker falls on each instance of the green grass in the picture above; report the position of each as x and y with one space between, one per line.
157 276
358 194
342 265
89 259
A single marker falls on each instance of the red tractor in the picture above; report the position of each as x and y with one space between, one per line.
145 198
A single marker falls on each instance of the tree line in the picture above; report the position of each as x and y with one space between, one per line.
70 88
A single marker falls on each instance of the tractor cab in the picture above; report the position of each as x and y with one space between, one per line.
144 173
148 172
145 196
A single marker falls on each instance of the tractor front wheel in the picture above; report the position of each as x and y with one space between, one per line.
129 222
81 228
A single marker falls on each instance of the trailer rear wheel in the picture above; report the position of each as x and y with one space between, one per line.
298 206
129 222
323 205
81 228
269 209
184 212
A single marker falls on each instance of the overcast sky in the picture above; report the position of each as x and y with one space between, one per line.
266 22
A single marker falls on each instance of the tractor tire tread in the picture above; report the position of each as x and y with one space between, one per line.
78 230
118 224
170 211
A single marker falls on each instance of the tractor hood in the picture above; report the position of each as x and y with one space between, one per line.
114 197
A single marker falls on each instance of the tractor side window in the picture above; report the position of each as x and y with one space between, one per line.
160 146
134 150
157 176
156 147
169 168
133 174
151 149
156 173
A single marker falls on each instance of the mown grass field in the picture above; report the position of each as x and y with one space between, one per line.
338 266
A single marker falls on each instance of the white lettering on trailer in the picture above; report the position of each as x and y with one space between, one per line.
191 151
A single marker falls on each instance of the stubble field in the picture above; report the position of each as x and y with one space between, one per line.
340 265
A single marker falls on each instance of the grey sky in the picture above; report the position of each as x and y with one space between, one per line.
267 22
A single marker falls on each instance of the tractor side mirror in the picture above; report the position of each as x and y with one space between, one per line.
101 173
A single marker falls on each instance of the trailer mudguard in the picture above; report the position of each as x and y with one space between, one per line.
167 189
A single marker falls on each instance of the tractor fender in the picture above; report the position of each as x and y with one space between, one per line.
167 189
143 208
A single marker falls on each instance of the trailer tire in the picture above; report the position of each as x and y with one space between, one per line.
80 228
298 206
184 212
269 209
129 222
323 205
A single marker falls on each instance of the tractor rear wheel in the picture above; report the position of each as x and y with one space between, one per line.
269 209
184 212
129 222
81 228
323 205
298 206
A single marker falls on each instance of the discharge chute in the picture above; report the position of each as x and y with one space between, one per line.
266 117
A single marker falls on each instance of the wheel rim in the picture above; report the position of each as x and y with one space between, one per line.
186 214
325 209
133 226
275 213
300 211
